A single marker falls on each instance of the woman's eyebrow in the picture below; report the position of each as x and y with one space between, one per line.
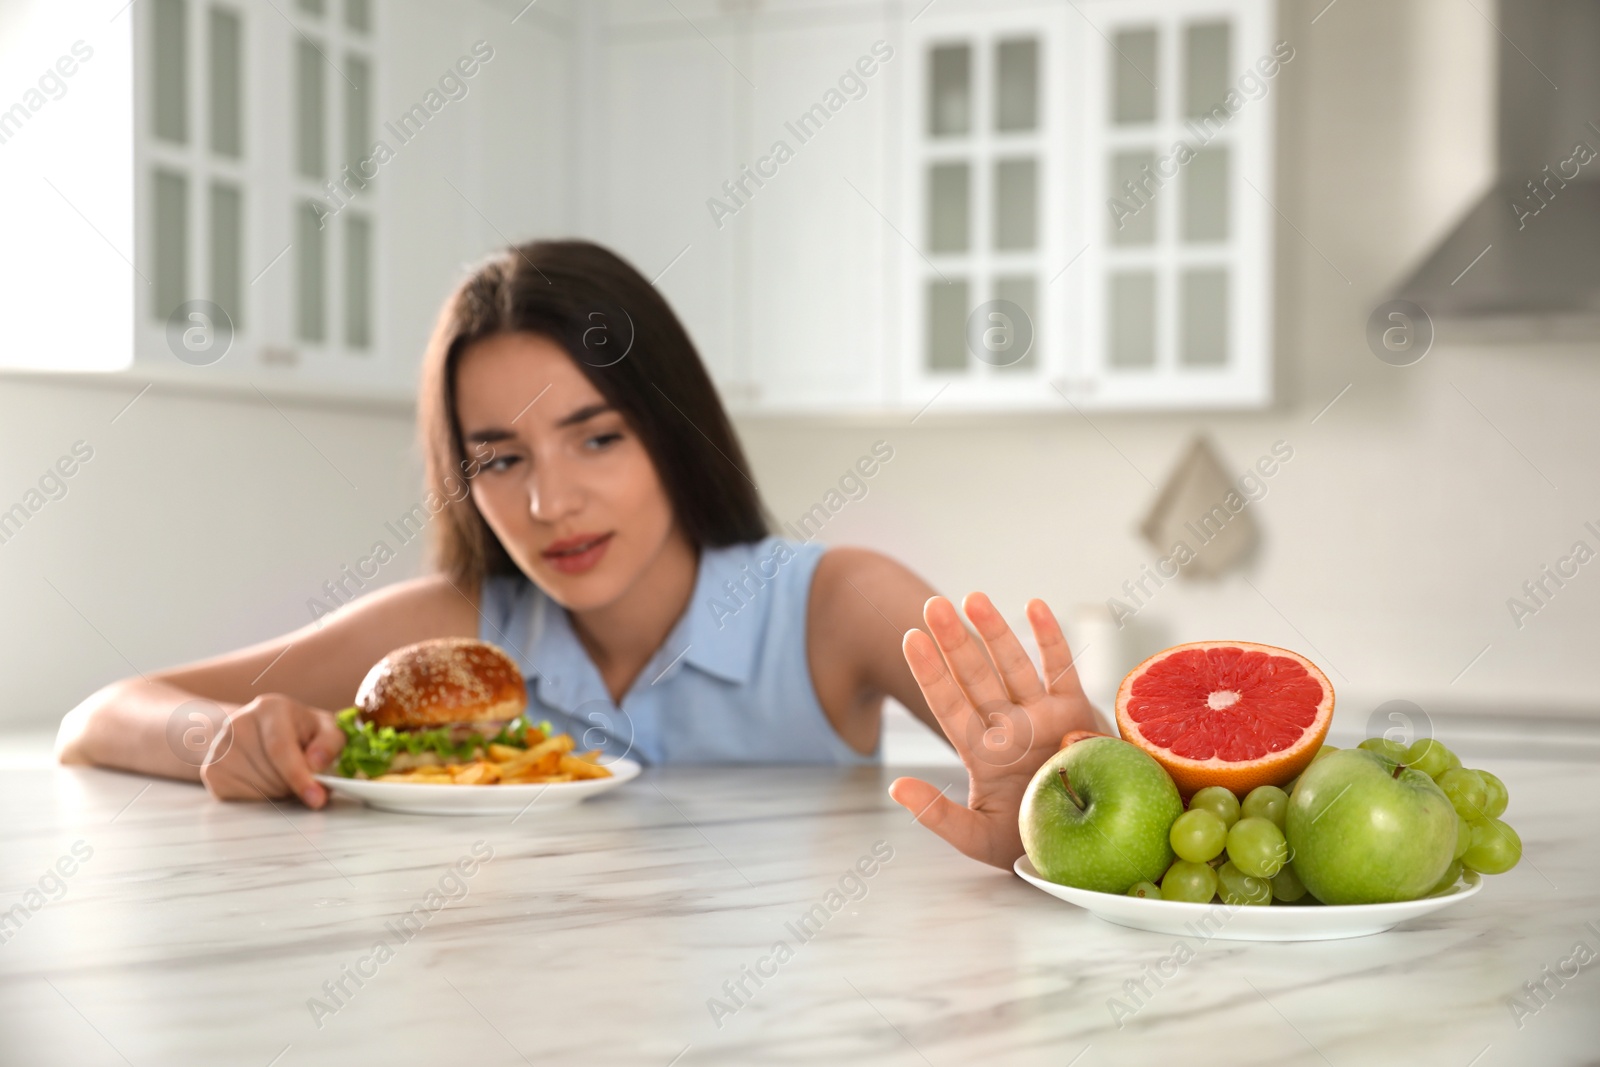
583 414
490 435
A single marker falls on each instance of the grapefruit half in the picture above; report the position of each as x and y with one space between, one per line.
1228 713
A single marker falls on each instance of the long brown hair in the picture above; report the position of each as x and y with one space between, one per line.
625 339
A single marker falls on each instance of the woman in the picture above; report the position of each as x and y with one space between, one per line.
613 542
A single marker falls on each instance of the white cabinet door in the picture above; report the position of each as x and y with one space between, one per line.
671 114
989 174
822 308
1108 244
1178 170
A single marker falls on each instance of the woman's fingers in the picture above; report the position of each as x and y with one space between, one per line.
280 738
956 823
945 698
323 740
1016 669
967 660
1060 672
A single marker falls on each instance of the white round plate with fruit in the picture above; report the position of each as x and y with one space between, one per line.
1243 923
1220 812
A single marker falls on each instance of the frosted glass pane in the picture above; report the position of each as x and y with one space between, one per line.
1022 290
171 266
227 76
170 70
357 282
1205 67
1132 320
1016 204
227 251
310 79
1204 318
948 211
315 7
1133 76
1017 85
1205 195
358 15
1132 211
947 324
950 91
357 114
311 282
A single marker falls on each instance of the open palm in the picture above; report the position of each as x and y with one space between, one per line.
1003 725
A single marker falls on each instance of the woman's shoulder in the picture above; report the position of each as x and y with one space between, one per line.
859 572
862 602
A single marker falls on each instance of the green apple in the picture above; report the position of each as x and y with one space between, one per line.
1097 815
1364 829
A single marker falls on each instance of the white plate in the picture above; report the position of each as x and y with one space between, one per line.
1312 922
416 798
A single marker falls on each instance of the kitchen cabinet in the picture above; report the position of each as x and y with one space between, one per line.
1030 206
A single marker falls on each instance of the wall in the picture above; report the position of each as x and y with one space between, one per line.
1412 509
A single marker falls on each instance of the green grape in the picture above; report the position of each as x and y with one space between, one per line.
1430 757
1463 836
1468 792
1266 802
1498 796
1286 885
1238 888
1146 890
1257 848
1495 847
1219 801
1323 751
1288 787
1452 875
1193 883
1198 835
1385 747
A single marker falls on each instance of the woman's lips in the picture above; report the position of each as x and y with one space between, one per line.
574 555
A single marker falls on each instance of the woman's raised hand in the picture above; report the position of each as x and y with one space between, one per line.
1003 726
271 747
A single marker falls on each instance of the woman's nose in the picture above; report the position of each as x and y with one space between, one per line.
553 493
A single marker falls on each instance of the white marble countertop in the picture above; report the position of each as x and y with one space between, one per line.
202 932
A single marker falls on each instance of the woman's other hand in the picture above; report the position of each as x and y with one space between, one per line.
271 747
1003 725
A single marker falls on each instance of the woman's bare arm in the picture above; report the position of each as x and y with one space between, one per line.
862 603
278 697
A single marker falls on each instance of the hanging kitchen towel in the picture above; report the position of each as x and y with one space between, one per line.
1200 520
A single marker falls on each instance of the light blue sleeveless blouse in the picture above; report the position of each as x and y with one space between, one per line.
730 684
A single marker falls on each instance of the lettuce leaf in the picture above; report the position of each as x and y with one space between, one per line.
368 749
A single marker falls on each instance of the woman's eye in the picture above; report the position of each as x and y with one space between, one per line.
601 440
501 463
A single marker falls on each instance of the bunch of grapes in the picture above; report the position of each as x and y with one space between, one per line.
1236 850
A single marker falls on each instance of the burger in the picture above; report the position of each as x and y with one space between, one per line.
434 702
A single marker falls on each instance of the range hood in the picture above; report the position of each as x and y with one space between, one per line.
1525 260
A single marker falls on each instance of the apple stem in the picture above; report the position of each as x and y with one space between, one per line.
1399 767
1062 771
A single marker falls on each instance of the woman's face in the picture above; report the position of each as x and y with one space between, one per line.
569 488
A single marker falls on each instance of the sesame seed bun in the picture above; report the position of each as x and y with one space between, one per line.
442 682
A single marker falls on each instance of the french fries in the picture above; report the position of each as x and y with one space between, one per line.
548 760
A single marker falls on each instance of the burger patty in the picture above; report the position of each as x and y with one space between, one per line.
459 732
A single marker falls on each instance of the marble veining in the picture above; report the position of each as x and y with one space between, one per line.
644 927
